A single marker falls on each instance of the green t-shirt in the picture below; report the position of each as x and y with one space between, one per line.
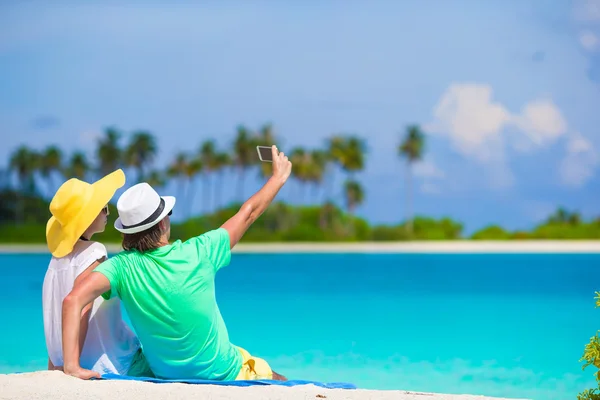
169 295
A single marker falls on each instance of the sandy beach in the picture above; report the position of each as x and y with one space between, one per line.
458 246
46 385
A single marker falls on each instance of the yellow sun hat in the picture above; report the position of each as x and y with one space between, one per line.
75 206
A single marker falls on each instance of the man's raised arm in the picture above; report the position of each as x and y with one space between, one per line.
258 203
82 294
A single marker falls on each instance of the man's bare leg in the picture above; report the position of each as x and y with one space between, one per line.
277 377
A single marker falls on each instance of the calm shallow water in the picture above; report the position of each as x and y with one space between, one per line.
499 325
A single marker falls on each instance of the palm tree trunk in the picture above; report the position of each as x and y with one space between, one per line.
20 211
328 184
181 188
49 186
206 193
240 188
53 185
191 195
409 195
140 174
21 193
351 207
217 191
302 189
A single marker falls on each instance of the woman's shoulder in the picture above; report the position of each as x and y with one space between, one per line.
83 250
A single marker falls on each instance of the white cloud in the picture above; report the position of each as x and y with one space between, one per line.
476 126
541 121
589 40
580 162
468 116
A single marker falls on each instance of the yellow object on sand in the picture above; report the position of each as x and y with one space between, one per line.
253 368
75 206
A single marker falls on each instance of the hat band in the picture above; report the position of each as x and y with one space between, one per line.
151 218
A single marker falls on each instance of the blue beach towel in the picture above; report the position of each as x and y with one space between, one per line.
334 385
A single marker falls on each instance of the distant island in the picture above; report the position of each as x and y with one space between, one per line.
24 206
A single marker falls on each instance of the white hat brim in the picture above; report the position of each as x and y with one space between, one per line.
169 204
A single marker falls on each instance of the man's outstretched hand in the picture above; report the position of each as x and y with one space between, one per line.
282 167
82 373
253 208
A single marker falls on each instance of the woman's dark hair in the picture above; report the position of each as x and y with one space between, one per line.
143 241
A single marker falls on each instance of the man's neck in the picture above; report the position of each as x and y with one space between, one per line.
164 241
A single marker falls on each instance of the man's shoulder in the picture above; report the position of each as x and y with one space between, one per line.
124 256
118 260
214 235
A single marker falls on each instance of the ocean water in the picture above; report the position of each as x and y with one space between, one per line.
511 325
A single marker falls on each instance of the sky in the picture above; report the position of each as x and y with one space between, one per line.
507 92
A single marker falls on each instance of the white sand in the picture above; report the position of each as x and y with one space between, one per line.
47 385
458 246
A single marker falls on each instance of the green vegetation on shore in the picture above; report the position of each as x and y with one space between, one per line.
283 222
24 206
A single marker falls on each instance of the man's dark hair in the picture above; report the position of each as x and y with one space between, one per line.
143 241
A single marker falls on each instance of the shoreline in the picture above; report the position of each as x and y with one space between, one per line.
56 385
453 247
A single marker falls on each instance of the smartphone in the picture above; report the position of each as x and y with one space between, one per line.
265 153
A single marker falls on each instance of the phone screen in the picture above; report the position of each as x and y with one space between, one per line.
264 153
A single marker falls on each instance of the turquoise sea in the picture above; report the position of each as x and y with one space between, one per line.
511 325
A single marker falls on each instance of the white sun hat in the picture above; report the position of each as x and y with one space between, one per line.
140 208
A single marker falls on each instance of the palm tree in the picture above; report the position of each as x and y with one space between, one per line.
347 152
109 152
243 156
411 148
316 169
194 167
300 158
4 178
156 179
222 162
353 159
25 162
51 161
141 152
560 216
178 170
354 195
575 218
208 158
78 166
265 137
335 151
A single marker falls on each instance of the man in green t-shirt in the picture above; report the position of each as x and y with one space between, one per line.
168 290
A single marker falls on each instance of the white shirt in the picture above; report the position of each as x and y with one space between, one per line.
109 345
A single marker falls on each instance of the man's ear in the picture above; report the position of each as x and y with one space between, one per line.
163 225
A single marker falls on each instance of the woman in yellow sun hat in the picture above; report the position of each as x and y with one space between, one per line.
79 210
